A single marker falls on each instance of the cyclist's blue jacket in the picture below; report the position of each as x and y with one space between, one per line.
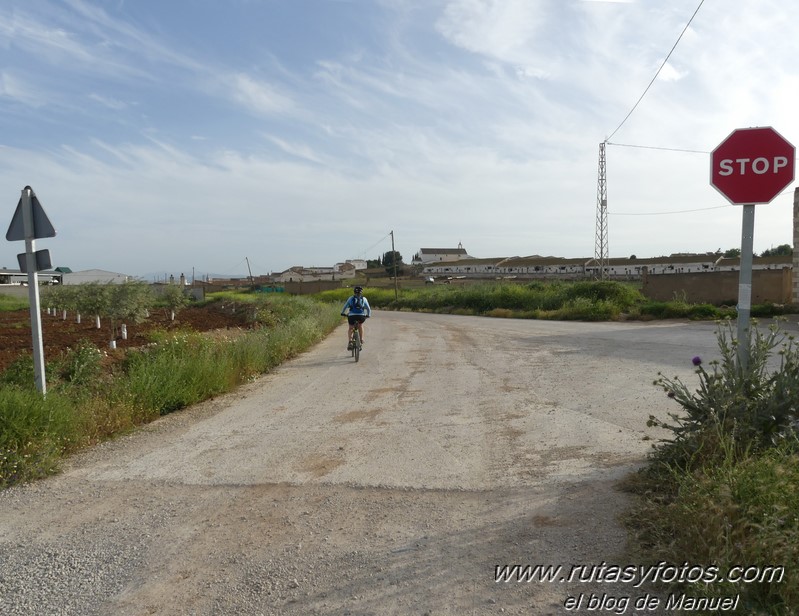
357 306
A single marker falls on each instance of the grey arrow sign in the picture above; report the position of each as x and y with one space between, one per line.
42 227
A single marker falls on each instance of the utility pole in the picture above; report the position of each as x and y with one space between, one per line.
252 280
394 257
601 242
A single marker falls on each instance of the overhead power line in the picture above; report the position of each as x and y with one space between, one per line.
378 242
658 72
652 147
701 209
601 253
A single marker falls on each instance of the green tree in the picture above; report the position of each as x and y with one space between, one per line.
93 299
732 253
783 250
60 298
175 298
129 301
391 258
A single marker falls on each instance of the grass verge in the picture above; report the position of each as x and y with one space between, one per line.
723 492
86 403
558 300
10 303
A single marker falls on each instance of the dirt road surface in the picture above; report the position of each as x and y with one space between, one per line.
392 486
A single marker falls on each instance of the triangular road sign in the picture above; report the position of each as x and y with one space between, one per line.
42 227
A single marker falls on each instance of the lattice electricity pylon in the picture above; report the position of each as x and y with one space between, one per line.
601 242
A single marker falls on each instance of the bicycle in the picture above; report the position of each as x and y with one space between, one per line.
356 345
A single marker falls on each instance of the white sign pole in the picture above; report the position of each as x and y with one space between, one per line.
745 286
33 292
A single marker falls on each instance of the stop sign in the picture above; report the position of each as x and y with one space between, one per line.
752 165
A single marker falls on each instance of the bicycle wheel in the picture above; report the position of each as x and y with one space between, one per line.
356 345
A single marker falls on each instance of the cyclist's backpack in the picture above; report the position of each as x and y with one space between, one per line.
357 302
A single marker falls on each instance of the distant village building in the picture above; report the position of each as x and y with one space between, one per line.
358 264
94 275
621 269
17 277
64 275
341 271
437 255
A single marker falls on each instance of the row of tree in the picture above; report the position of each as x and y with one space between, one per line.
387 260
783 250
128 302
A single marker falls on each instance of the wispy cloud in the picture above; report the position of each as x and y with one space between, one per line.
116 36
505 30
40 38
17 89
297 150
107 101
479 118
258 96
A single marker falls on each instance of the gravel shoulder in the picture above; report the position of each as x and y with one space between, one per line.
391 486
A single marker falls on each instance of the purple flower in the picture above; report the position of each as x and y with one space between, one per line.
671 394
697 361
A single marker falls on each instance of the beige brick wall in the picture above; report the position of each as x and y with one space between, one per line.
773 286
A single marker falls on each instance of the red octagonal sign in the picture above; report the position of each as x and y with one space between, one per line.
752 165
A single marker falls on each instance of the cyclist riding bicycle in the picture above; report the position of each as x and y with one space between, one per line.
357 310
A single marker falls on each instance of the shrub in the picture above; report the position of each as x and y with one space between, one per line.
722 490
34 432
20 373
10 302
755 406
173 372
732 512
568 300
585 309
616 293
770 310
81 365
665 310
704 312
654 309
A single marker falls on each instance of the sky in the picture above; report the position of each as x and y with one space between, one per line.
204 136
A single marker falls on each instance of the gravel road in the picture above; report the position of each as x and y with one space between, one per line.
391 486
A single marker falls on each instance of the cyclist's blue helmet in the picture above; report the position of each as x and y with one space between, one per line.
358 290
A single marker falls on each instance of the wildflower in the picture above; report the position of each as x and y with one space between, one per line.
697 361
671 394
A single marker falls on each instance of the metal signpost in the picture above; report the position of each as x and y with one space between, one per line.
30 223
751 166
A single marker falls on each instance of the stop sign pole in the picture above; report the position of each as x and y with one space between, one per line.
751 166
745 284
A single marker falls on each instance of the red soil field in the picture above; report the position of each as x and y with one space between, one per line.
59 335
